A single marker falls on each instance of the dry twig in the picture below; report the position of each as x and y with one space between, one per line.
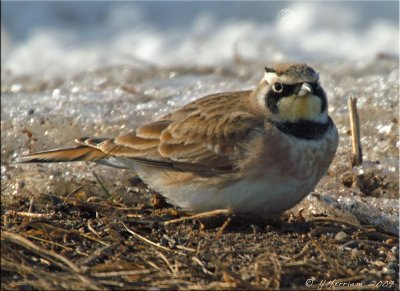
201 264
150 242
356 154
219 233
207 214
30 214
121 273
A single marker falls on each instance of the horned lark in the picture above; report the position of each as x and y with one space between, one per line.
259 151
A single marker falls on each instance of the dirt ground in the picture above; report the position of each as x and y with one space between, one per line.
81 241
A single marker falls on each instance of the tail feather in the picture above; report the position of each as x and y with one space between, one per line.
80 153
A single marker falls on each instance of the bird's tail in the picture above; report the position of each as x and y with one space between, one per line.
79 153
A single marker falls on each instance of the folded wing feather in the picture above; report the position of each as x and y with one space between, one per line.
196 137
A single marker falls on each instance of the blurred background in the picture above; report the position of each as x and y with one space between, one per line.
50 37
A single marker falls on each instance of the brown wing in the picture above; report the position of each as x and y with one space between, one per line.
204 135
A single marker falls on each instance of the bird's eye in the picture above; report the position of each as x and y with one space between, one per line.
277 87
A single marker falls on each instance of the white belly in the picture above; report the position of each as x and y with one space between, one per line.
244 196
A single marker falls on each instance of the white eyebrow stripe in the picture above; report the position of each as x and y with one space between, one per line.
270 77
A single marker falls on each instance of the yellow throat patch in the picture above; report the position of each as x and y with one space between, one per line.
294 108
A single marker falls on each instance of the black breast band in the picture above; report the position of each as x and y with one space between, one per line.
304 129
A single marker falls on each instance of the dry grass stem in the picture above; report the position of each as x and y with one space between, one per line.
200 263
167 262
90 227
150 242
356 154
72 193
30 214
121 273
52 243
219 233
207 214
302 252
58 260
102 186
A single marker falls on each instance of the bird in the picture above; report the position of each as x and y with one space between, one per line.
257 151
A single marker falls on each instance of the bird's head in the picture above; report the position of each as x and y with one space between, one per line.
292 93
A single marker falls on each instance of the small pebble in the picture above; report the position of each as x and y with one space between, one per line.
395 251
135 181
330 235
341 236
255 228
382 253
390 241
247 276
351 244
16 277
355 253
390 272
377 263
347 178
